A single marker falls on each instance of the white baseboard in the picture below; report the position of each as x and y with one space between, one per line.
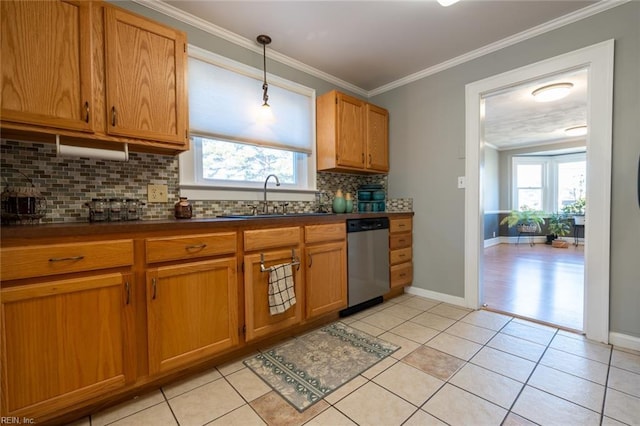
441 297
524 239
624 340
538 239
491 242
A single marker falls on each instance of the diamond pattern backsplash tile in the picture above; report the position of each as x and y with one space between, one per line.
68 183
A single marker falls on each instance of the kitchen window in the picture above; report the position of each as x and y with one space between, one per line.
236 142
548 183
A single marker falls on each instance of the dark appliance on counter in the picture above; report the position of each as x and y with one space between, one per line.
368 262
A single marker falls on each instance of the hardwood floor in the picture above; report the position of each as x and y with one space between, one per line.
542 283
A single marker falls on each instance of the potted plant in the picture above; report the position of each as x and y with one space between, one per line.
525 220
576 209
559 227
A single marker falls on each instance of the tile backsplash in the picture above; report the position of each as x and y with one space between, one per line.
67 183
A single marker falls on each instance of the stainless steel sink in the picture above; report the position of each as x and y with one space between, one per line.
274 215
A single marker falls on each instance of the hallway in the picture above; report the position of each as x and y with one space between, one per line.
540 282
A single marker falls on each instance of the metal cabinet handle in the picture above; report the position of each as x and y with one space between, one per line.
310 260
86 108
127 289
402 255
195 246
363 158
154 288
370 159
63 259
113 116
403 275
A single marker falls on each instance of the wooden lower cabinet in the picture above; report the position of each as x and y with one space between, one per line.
326 268
401 252
326 278
192 312
64 342
258 320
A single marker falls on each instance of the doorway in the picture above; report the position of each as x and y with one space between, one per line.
598 59
533 161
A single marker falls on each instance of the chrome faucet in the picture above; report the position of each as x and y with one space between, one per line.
265 206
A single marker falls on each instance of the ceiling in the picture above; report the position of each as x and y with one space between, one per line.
513 119
372 46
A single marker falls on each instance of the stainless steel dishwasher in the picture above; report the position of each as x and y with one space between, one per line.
368 262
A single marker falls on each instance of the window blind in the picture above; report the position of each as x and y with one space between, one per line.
225 104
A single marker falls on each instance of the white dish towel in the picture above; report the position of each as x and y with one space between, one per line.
281 288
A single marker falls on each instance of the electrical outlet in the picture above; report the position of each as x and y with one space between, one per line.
461 182
157 193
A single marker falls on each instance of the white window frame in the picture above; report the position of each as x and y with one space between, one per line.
196 188
549 177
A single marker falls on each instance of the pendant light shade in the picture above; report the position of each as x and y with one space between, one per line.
264 40
552 92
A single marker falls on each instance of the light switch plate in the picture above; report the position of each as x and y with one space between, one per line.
157 193
461 182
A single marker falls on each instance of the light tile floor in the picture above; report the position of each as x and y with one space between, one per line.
456 367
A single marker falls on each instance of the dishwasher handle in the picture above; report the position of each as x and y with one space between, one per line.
371 224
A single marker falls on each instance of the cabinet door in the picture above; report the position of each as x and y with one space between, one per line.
146 65
326 280
351 131
65 341
258 321
377 138
46 63
192 312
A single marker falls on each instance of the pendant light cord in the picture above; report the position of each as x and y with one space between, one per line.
264 40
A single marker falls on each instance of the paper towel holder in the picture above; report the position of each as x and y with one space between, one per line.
95 153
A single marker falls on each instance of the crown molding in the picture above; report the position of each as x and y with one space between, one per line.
201 24
570 18
173 12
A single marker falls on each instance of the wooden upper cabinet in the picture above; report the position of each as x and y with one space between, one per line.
377 138
350 132
145 73
46 67
352 135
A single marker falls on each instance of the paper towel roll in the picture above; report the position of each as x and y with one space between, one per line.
95 153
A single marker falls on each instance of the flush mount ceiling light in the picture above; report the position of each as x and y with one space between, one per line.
552 92
264 40
576 131
446 3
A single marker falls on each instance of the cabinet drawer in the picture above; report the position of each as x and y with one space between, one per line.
190 246
271 238
401 274
400 255
397 241
51 259
400 225
329 232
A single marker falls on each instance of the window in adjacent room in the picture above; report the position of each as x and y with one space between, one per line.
548 183
236 142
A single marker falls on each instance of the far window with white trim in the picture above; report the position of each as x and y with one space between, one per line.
236 142
548 183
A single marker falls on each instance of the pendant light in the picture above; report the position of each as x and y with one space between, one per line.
264 40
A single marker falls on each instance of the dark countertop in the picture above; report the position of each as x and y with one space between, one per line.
83 229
